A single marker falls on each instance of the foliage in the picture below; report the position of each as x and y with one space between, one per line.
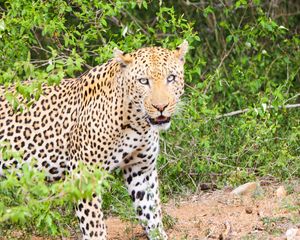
243 55
29 201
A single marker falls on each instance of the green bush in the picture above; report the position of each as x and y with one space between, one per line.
29 202
244 55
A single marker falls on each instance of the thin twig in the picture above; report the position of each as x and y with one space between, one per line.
286 14
297 105
297 95
38 48
226 54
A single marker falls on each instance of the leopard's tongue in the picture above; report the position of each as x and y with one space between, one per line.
161 119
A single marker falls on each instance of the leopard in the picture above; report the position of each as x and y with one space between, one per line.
113 115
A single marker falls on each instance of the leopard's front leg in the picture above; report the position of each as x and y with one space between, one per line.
142 184
90 217
88 211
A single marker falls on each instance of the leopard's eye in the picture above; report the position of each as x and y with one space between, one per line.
144 81
171 78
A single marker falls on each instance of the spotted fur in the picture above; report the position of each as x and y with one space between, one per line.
110 115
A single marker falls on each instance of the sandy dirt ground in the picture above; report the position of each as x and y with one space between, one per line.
265 213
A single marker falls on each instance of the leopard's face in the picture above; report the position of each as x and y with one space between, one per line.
155 78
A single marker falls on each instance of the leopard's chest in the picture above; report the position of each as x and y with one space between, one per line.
123 150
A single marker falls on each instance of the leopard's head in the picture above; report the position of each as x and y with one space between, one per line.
154 79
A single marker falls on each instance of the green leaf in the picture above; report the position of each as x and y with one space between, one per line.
50 67
208 10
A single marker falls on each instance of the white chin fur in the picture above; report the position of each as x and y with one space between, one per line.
164 126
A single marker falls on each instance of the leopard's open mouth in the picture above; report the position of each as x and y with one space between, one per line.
159 120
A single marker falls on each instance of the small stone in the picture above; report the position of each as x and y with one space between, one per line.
292 234
228 230
296 187
281 192
245 189
227 189
259 228
207 186
248 210
260 213
204 186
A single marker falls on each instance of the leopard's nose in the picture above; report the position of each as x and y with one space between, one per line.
160 107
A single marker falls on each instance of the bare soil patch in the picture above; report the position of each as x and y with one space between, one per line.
266 213
222 215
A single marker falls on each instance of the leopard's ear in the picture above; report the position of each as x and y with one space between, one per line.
123 58
181 50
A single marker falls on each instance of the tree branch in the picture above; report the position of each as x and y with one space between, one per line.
297 105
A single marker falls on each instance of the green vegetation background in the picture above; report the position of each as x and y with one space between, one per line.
244 55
